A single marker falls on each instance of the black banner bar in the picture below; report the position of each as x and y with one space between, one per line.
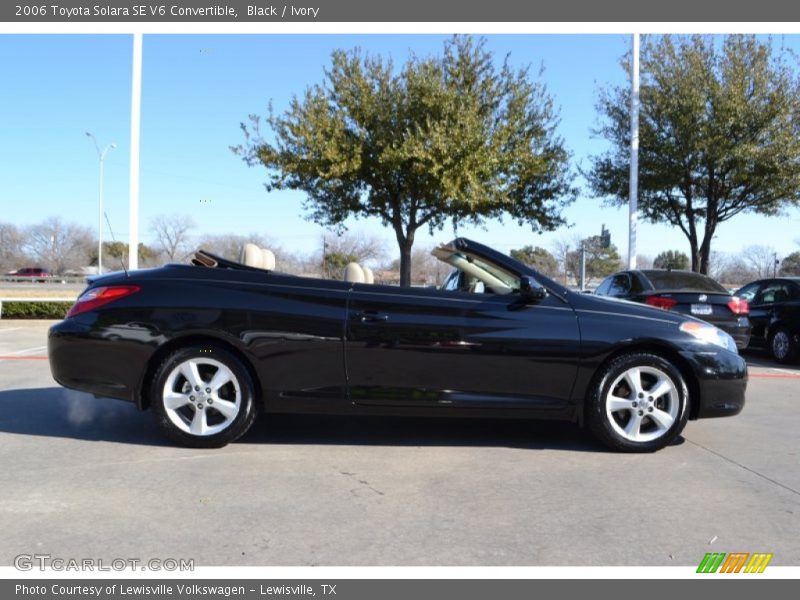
405 11
729 588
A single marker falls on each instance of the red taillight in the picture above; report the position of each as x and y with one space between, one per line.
739 306
96 297
661 302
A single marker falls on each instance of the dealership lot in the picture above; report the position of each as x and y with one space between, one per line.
85 477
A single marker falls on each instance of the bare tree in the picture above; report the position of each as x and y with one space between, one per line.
562 249
229 245
363 247
760 259
644 262
11 254
730 270
359 247
172 235
58 245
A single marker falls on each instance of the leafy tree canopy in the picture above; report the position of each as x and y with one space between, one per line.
790 265
601 260
719 127
538 258
450 137
671 259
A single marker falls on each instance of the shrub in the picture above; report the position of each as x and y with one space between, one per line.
35 310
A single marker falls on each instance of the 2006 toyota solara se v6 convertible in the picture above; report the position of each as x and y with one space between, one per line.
207 346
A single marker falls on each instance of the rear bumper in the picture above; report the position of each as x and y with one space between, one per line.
84 357
740 331
722 382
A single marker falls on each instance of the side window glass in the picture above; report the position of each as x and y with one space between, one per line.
774 292
620 285
602 289
636 285
748 292
451 284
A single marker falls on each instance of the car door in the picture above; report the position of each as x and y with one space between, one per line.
423 347
769 304
759 315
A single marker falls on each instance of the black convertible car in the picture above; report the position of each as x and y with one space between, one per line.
209 345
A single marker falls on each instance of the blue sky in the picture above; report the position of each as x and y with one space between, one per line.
196 89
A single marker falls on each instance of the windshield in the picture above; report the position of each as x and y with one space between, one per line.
476 270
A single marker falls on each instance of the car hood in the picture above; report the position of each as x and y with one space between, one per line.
618 306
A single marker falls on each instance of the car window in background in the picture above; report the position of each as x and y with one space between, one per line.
776 291
636 284
620 285
602 289
683 280
451 283
748 292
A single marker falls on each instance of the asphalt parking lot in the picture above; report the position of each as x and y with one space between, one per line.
85 477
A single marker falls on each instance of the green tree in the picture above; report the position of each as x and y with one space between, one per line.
334 262
118 251
601 260
718 135
671 259
444 137
790 265
538 258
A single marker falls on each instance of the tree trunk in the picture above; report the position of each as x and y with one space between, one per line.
694 251
704 253
405 260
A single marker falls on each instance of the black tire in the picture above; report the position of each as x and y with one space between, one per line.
608 426
238 393
782 345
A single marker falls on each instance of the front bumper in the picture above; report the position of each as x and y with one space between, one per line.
722 382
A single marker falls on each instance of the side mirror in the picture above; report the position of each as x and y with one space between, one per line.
530 290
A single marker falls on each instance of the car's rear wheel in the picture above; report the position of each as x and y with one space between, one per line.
638 403
203 397
782 345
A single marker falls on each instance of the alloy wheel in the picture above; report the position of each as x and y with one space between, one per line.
780 344
202 396
642 404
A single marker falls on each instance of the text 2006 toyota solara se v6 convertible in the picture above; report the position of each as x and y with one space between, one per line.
207 346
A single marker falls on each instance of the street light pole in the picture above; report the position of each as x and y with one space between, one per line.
101 155
633 188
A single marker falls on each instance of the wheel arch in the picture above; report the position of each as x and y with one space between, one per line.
176 343
771 327
664 351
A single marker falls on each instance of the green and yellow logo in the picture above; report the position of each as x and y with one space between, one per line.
734 562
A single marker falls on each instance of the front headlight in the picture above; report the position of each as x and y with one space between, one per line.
708 333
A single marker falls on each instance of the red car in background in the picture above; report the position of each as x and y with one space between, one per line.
32 273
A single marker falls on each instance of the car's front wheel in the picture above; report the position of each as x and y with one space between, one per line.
782 346
638 403
203 397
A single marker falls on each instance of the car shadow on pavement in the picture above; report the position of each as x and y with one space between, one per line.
419 431
57 412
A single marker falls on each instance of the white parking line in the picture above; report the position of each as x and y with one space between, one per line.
2 330
29 350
